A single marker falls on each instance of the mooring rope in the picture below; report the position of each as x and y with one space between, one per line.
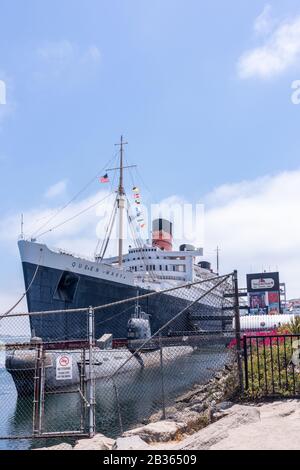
24 294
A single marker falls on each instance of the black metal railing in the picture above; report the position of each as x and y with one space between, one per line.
272 365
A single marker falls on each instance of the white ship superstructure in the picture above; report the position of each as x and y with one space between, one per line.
57 280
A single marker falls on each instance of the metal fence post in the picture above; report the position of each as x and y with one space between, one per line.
91 373
37 391
118 406
246 362
162 377
238 330
42 391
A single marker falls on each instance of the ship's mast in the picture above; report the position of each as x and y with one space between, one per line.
121 202
121 197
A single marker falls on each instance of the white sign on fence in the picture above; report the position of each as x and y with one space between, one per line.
64 369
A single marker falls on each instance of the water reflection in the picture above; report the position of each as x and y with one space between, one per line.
139 391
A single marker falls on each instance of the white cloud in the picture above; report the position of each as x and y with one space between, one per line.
226 193
58 51
280 51
56 190
74 233
255 223
62 56
264 22
257 226
92 54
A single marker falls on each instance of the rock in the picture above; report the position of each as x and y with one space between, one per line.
98 442
217 396
199 398
219 430
278 429
213 405
130 443
191 412
63 446
224 405
198 407
161 431
187 396
218 376
171 413
219 415
200 388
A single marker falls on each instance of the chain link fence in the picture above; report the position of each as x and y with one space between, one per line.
110 368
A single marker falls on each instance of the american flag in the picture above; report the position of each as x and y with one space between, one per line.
104 179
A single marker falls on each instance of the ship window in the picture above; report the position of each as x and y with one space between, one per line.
181 268
66 287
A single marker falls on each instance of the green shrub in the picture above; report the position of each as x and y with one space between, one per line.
291 328
270 370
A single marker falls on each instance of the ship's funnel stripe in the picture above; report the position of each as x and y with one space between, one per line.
162 234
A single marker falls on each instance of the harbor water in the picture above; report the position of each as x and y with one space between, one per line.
139 392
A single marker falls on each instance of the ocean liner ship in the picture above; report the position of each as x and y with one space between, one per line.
58 280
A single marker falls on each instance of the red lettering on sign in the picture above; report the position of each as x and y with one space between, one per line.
64 361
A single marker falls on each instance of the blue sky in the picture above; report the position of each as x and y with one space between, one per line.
177 78
166 79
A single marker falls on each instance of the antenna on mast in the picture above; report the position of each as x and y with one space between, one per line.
121 202
218 260
22 226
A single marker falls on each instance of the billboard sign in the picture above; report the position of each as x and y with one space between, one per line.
257 301
264 293
264 282
274 303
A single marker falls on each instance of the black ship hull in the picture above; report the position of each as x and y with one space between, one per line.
54 289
